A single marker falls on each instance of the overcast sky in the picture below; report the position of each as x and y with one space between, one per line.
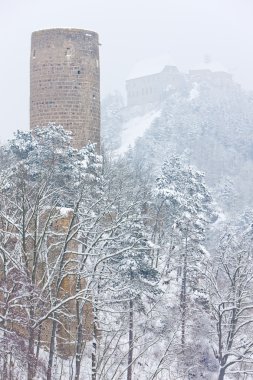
130 30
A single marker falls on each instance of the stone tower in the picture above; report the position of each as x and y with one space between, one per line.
65 82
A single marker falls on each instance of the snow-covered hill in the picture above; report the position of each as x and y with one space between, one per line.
210 125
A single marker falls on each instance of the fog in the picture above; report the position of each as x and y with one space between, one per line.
130 30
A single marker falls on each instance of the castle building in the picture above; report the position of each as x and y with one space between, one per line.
150 81
151 88
211 72
65 82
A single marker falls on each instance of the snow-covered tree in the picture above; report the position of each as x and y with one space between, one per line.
229 279
183 212
42 192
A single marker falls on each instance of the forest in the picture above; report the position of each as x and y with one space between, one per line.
112 270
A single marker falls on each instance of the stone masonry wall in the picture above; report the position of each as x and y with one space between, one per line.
65 82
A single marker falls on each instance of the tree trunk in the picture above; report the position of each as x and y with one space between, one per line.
94 344
221 374
51 351
79 334
130 340
30 372
5 357
3 324
37 350
79 350
183 297
5 362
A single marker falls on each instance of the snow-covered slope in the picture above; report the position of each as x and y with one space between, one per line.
135 128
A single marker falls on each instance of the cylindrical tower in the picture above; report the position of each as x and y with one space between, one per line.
65 82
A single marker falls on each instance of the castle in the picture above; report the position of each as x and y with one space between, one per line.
150 88
65 82
151 79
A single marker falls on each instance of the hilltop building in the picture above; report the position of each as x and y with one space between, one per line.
150 80
213 72
151 88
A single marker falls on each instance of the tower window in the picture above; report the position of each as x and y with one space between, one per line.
78 72
68 52
34 53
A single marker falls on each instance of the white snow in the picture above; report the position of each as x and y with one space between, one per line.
135 128
150 66
194 93
64 211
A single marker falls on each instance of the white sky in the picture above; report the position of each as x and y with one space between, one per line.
130 30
